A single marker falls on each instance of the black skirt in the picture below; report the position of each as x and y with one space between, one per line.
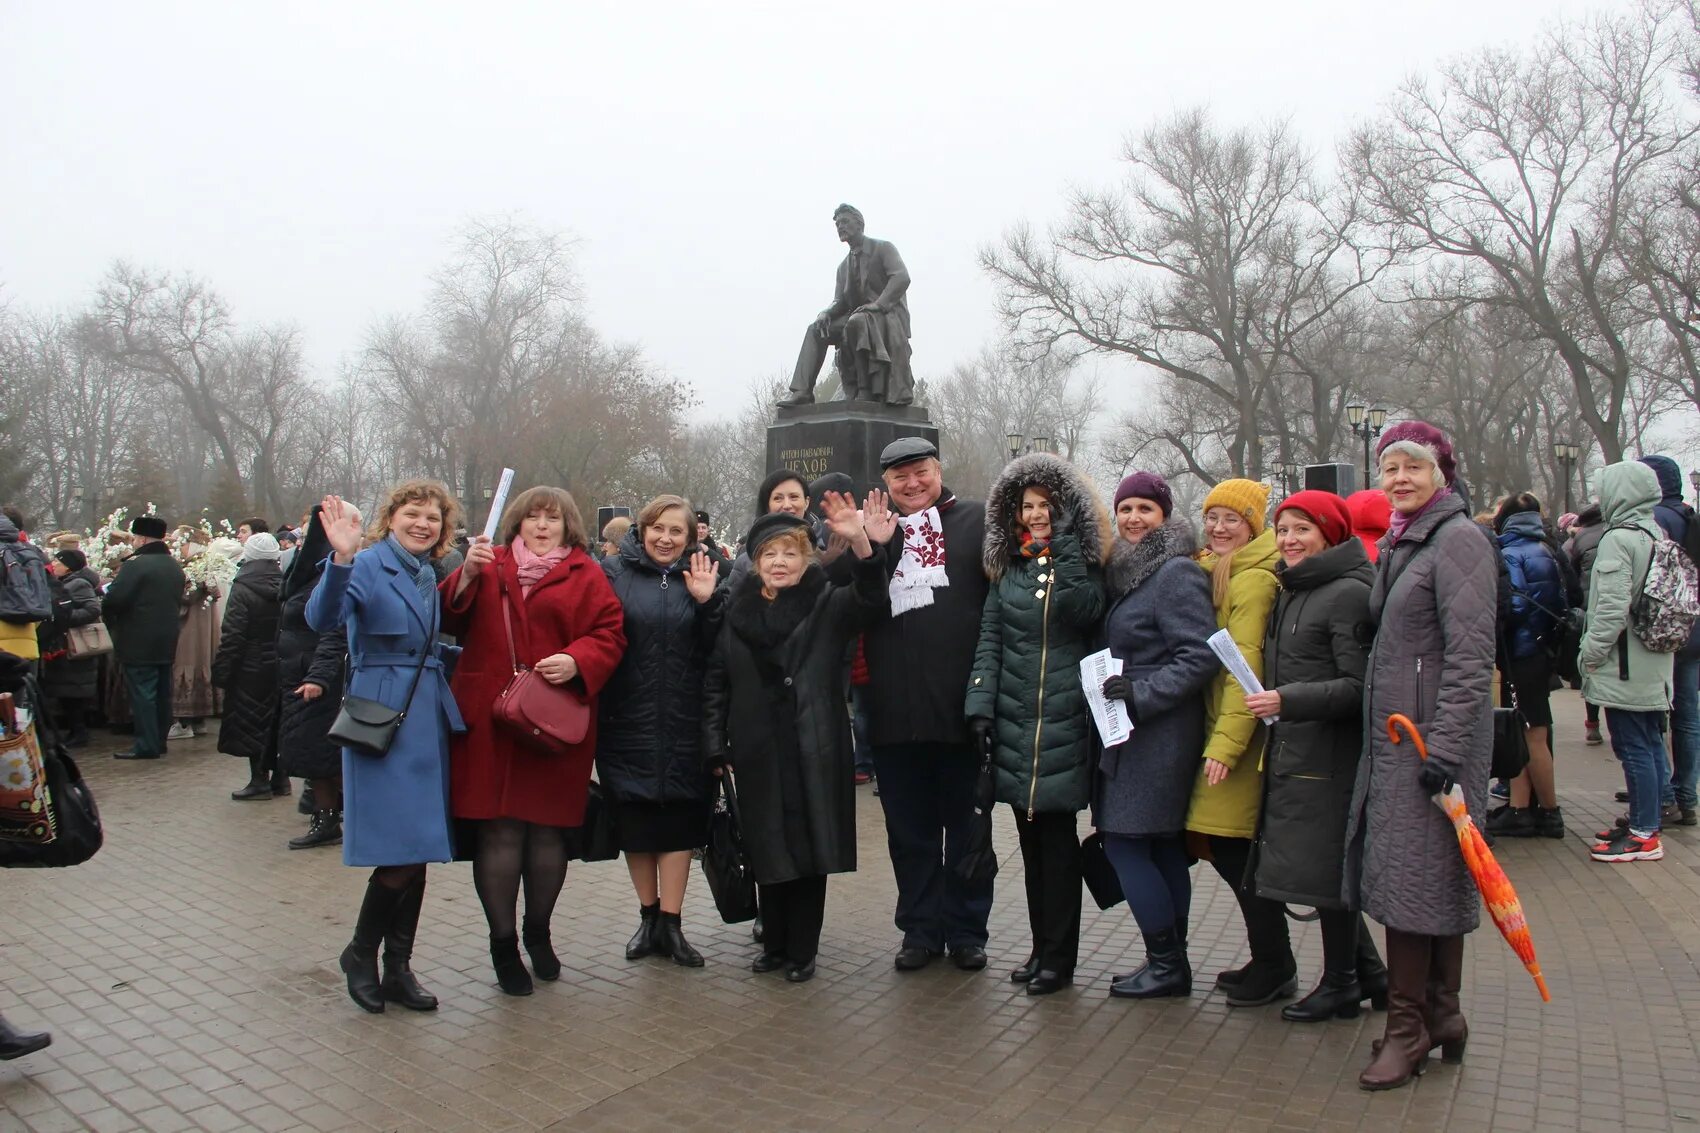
661 828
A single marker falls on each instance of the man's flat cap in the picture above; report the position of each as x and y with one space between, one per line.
905 449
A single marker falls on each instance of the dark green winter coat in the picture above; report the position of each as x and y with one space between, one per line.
1042 615
1314 656
141 607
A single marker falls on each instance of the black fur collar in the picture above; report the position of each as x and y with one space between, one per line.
766 625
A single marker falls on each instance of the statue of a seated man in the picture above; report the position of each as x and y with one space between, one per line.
868 322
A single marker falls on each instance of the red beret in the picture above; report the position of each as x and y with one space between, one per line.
1325 509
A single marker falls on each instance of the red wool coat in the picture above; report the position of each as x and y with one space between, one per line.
572 610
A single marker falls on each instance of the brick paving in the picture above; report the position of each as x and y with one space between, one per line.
188 974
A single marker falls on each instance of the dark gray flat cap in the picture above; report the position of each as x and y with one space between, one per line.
905 449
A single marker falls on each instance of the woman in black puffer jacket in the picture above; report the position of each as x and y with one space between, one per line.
245 668
1314 658
648 747
310 672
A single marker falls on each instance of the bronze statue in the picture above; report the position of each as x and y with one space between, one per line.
868 322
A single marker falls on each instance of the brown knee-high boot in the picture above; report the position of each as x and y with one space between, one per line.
1446 1026
1402 1050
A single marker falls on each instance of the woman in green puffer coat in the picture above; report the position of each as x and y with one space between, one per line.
1047 537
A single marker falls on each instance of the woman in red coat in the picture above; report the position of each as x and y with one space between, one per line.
567 626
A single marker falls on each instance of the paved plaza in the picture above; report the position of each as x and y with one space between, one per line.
189 976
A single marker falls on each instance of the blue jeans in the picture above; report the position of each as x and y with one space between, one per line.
1684 736
1640 746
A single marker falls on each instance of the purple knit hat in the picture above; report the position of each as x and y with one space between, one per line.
1426 435
1147 486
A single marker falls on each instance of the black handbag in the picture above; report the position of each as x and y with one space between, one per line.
1100 876
370 726
596 837
77 832
1510 739
978 864
724 862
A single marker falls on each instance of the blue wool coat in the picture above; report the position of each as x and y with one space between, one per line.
395 807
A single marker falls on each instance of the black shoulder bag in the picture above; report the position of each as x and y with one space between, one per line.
370 726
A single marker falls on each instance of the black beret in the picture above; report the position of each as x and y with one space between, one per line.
905 449
148 527
768 526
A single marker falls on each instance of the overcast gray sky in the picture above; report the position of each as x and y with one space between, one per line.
311 160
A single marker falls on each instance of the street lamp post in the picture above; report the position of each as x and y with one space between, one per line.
1289 476
1019 445
1366 423
1694 481
1567 455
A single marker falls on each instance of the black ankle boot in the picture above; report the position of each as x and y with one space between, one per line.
324 830
510 969
642 942
670 941
1372 973
1336 997
259 786
359 961
1265 981
280 787
544 963
15 1043
1166 971
399 984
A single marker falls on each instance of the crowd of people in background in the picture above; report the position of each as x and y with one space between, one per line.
917 640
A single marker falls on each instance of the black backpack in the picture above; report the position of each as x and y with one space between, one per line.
25 596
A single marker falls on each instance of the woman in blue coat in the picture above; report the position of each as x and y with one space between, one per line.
395 806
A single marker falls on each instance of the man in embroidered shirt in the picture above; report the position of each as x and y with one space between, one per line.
919 657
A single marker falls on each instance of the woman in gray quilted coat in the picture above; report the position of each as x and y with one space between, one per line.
1434 605
1047 537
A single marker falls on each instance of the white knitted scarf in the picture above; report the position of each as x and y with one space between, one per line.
921 569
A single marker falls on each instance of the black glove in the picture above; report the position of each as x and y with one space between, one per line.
1433 777
1062 523
981 727
1118 687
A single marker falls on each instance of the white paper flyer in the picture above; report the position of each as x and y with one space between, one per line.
1222 644
1114 727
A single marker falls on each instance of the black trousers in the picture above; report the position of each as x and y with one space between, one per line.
149 687
1265 920
1050 857
927 791
791 916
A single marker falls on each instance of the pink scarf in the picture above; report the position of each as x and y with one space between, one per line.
1399 521
533 567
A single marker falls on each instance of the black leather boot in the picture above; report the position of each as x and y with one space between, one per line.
545 965
280 784
325 829
670 941
359 961
259 785
15 1043
399 984
1265 981
1029 967
642 942
1372 973
1338 995
510 969
1166 971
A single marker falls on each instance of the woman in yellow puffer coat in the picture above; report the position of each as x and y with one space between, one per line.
1221 824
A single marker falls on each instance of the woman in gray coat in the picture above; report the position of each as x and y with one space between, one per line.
1434 602
1313 666
1159 621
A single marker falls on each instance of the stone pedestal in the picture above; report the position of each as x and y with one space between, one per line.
842 436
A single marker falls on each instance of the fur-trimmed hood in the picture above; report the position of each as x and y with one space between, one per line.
1132 563
1071 492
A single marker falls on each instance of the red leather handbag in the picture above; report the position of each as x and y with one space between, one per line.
543 718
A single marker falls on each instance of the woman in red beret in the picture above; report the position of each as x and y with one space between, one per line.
1314 659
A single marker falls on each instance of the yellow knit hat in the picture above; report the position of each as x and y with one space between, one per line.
1247 497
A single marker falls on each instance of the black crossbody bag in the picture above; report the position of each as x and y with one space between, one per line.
370 726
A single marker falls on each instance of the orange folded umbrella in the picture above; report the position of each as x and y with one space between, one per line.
1496 890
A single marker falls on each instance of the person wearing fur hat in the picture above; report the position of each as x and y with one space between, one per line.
1313 668
1046 541
1239 555
1434 601
1158 621
140 610
245 667
773 713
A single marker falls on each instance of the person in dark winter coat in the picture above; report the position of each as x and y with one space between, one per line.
1538 600
395 813
1680 796
1434 602
141 613
773 714
705 540
1046 540
1160 617
245 667
68 683
1314 657
648 746
919 659
311 671
781 491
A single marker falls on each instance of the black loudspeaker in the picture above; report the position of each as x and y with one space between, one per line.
1341 479
605 513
